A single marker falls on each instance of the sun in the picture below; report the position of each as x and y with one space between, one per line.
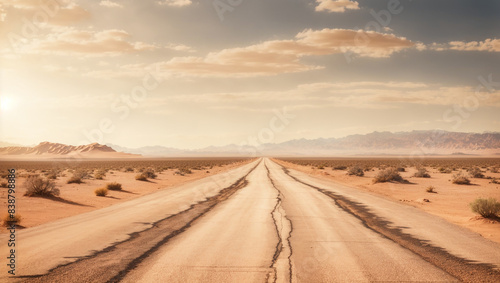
5 104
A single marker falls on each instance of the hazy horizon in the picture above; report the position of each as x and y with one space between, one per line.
190 74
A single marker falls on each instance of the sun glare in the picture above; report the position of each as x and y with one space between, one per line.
5 104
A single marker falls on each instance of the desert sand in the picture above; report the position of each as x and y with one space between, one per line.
79 198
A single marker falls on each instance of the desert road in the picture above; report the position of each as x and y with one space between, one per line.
257 223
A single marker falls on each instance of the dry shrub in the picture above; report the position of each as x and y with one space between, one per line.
101 192
339 167
149 173
100 174
37 186
114 186
141 177
7 220
78 177
460 179
475 172
422 173
356 171
486 207
431 189
401 169
388 175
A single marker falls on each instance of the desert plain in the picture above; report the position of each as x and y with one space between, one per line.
256 220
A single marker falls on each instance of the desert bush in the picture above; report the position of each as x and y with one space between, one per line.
51 175
422 173
129 169
460 179
141 177
430 189
356 171
475 172
7 220
114 186
486 207
494 181
100 174
74 180
149 173
321 167
186 170
101 192
494 169
401 169
388 175
38 186
339 167
444 170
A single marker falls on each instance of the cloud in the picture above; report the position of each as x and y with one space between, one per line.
61 12
489 45
110 4
175 3
72 41
337 6
283 56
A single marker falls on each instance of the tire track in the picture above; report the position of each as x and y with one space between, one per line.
460 268
284 228
115 262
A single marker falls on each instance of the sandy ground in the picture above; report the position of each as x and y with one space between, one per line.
450 201
79 198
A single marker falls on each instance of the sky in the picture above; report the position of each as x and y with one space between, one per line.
191 74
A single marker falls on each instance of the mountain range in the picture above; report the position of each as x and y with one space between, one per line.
376 143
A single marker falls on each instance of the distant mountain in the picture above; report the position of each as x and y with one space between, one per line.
376 143
48 149
149 150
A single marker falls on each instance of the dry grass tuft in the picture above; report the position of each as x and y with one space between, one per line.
486 207
101 192
388 175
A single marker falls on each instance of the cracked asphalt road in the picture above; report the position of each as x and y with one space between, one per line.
269 224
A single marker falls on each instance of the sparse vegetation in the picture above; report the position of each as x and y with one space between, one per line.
495 181
100 174
444 170
460 179
38 186
141 177
401 169
476 172
388 175
431 189
101 192
339 167
487 208
114 186
356 171
8 221
149 173
78 177
421 173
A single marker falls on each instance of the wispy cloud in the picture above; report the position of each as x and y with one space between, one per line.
110 4
283 56
175 3
337 6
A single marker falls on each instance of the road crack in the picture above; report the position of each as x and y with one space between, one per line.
282 259
460 268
